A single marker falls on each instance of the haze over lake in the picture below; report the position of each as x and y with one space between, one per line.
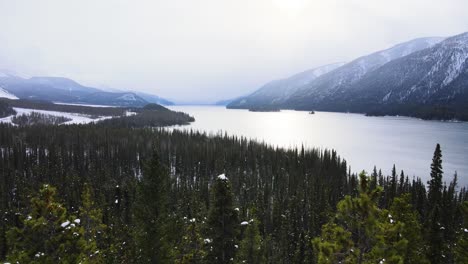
363 141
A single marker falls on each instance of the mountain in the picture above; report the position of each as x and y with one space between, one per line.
225 102
59 89
278 91
431 83
340 79
150 98
5 94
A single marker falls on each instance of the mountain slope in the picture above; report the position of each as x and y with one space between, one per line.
150 98
58 89
341 79
276 92
5 94
431 83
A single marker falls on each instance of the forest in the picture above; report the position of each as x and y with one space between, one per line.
112 193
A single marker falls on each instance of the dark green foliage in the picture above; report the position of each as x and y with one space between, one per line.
435 183
402 211
93 229
190 249
434 230
5 109
251 248
99 172
47 234
361 232
461 252
154 107
149 118
222 223
151 214
35 118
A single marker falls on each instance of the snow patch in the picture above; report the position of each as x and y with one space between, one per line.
90 105
222 177
5 94
75 117
127 97
65 224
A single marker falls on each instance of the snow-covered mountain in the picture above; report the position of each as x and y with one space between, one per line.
276 92
299 90
344 77
59 89
5 94
427 83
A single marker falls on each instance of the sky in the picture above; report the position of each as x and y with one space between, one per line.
207 50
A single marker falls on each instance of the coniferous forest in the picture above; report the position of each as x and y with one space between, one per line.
104 193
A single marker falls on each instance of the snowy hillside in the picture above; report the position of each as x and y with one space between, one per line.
59 89
315 85
342 78
438 75
431 83
5 94
279 90
75 118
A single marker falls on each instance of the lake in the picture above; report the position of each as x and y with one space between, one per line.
363 141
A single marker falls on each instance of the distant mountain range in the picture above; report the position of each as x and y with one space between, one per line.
58 89
426 77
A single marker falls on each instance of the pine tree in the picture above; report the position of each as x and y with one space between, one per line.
433 228
47 235
151 213
251 249
191 248
435 183
90 217
361 232
461 252
222 223
402 211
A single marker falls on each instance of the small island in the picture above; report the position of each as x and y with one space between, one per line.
312 113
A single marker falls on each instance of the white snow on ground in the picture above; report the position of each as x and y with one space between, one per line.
75 117
64 224
244 223
5 94
91 105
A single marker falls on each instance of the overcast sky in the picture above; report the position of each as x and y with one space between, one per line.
202 50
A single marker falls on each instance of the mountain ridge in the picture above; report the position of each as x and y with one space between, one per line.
425 77
65 90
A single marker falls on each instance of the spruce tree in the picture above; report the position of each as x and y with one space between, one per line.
151 214
190 250
402 211
222 223
435 183
361 232
433 228
90 218
47 234
461 252
251 249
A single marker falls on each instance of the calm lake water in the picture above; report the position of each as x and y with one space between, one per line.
363 141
